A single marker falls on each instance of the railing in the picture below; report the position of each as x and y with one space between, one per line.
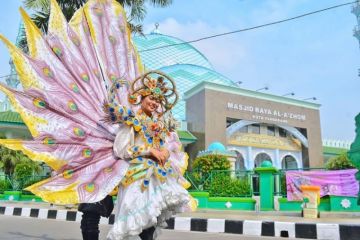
223 183
199 181
235 183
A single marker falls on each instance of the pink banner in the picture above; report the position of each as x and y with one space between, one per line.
338 183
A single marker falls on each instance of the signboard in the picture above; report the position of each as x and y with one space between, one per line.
260 113
336 183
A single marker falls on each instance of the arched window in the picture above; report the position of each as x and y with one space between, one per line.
289 162
240 162
260 158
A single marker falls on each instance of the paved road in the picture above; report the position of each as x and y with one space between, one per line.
20 228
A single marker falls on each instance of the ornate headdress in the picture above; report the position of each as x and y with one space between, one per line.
162 88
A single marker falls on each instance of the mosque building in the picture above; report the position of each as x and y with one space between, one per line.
215 115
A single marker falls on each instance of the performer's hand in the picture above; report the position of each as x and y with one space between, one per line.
155 154
160 155
166 154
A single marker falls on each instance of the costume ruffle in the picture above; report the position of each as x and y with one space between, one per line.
137 210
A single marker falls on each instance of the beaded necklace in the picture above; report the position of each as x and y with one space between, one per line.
153 131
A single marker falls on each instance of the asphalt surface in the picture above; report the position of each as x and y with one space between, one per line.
20 228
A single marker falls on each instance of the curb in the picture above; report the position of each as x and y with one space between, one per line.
254 228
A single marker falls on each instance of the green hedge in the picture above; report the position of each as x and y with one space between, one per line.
4 185
223 185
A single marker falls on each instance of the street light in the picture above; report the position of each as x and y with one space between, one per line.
264 88
288 94
311 98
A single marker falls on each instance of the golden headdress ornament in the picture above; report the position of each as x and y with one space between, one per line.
157 84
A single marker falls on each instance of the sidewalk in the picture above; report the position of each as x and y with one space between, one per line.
325 217
329 226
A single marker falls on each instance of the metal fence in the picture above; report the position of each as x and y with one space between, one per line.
227 183
221 183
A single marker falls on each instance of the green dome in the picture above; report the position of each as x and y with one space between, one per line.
181 53
184 63
187 76
266 163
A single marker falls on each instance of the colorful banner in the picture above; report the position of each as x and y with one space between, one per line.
337 183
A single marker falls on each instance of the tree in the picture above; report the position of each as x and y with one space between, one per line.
69 7
9 159
339 162
137 10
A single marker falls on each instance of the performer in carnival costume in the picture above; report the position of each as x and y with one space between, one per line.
99 121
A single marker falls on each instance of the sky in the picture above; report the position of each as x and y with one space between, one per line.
316 56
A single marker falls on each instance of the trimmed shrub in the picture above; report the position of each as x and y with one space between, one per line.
208 163
339 162
222 185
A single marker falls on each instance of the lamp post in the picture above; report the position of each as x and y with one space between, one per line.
288 94
263 88
311 98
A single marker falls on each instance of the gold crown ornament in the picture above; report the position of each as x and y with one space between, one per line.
162 88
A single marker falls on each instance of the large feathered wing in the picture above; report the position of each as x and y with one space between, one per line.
66 78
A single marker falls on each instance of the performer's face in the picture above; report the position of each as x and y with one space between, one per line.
149 105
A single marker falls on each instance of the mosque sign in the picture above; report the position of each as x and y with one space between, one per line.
267 114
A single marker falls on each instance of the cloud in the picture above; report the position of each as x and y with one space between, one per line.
224 53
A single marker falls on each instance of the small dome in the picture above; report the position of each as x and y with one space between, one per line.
216 147
266 163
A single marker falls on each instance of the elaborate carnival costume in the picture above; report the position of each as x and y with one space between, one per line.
66 79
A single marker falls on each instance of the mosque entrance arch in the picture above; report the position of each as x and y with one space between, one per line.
260 158
240 162
289 162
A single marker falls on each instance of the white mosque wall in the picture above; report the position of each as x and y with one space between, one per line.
276 156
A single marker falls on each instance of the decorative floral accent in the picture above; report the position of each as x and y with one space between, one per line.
57 50
96 72
345 203
67 174
152 130
112 39
98 11
47 72
85 77
49 141
40 103
79 132
112 77
72 106
87 153
90 187
136 150
122 28
75 40
133 98
74 87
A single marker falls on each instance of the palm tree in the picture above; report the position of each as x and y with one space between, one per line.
137 10
69 7
10 158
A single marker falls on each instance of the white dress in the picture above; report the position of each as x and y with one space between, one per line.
137 210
